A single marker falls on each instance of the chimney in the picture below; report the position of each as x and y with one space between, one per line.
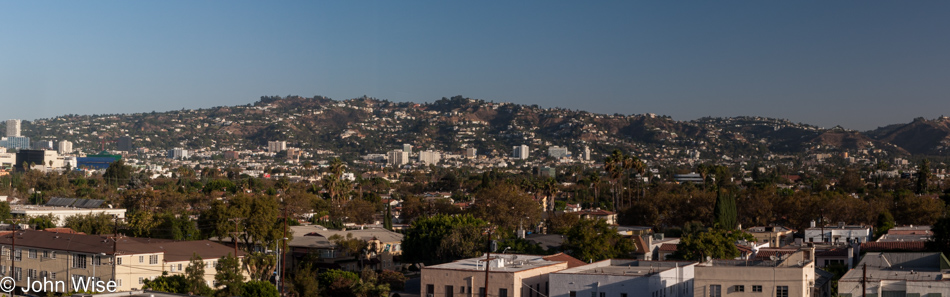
812 224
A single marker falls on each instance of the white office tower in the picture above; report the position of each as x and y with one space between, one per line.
430 157
407 148
586 154
64 147
178 153
398 158
276 146
520 152
558 152
13 128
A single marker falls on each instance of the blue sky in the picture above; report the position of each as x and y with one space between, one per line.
858 64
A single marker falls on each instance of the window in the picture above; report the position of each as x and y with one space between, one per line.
3 270
153 259
430 290
141 259
118 261
45 254
623 294
52 275
781 291
44 274
756 288
179 267
502 292
31 273
32 254
449 291
18 254
18 273
79 261
481 291
715 291
572 294
52 255
119 282
462 289
140 281
739 288
96 260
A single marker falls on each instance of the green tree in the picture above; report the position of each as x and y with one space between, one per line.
444 238
338 283
715 243
167 283
4 211
257 288
506 207
923 176
118 173
195 276
725 210
388 222
885 221
304 281
43 221
100 223
594 240
228 276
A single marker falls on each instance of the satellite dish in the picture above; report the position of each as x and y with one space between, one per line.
773 257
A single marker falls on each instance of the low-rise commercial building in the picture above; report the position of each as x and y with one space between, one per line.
790 275
509 275
625 278
897 274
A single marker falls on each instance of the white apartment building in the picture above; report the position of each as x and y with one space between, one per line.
430 157
397 158
276 146
520 152
13 128
64 147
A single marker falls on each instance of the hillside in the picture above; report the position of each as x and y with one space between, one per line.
367 125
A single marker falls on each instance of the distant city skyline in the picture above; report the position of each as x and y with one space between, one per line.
859 65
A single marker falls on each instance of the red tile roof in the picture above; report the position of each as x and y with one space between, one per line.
832 253
915 246
571 261
910 232
641 246
668 247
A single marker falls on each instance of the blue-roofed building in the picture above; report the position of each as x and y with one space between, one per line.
100 161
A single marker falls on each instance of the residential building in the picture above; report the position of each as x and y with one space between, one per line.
840 234
276 146
599 214
178 153
585 154
775 236
520 152
897 274
129 261
231 155
692 177
385 247
398 158
624 278
64 147
791 275
907 233
13 128
510 275
430 157
7 160
407 148
558 152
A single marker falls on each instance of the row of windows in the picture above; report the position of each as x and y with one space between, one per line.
32 273
31 253
716 290
450 291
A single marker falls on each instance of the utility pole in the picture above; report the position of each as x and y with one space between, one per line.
487 263
234 235
115 245
283 252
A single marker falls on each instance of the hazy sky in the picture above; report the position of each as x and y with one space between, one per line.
859 64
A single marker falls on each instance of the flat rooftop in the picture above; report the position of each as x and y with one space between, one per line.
626 267
510 263
900 266
24 208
